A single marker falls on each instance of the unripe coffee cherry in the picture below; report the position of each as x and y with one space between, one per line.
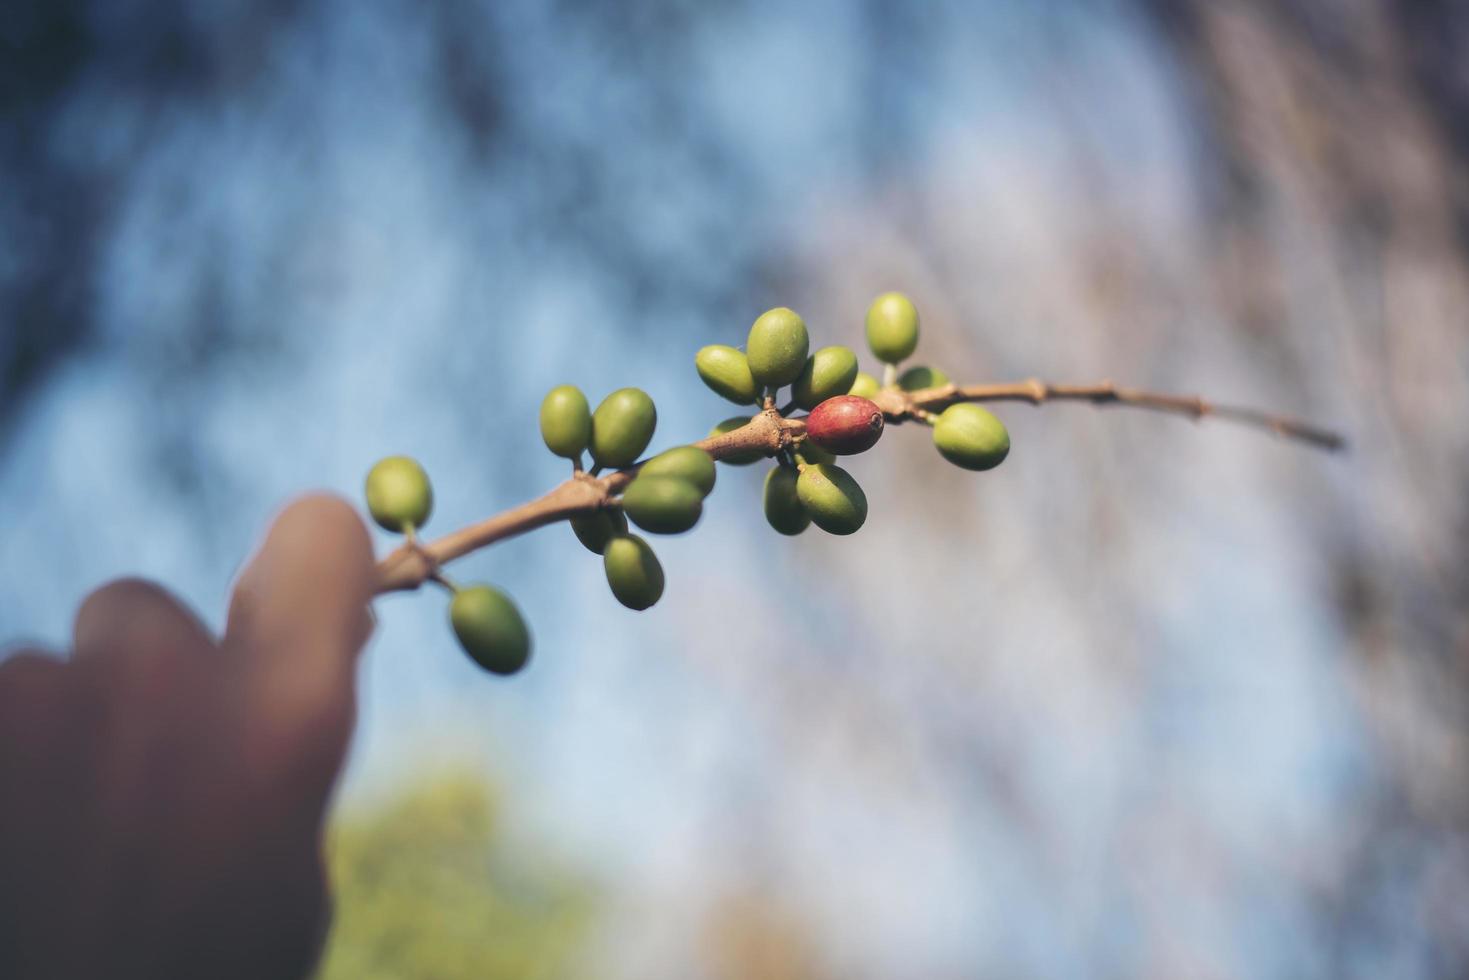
783 508
490 628
828 372
726 370
566 421
845 425
399 496
662 504
892 327
738 459
865 386
812 453
918 378
777 347
633 572
622 427
833 499
685 462
970 436
594 530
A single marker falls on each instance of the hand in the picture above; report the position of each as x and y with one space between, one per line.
162 792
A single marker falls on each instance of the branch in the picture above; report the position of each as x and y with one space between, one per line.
413 563
900 406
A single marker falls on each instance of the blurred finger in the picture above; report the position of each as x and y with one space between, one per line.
297 621
30 686
131 617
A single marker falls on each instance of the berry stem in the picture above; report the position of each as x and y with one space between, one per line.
889 375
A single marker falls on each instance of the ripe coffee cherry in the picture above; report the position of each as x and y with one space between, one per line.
918 378
833 499
726 370
845 425
662 504
828 373
594 530
685 462
738 459
490 628
783 507
566 421
398 494
970 436
622 427
892 327
865 386
812 453
633 572
777 347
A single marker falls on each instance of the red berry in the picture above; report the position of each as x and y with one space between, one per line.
845 425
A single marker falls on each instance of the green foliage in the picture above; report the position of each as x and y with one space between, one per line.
970 436
426 887
399 496
566 421
490 628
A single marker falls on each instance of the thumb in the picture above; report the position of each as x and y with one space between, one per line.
297 620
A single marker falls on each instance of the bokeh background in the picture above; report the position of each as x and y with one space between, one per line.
1150 700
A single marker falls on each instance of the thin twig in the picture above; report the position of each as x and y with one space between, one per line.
412 564
899 406
408 567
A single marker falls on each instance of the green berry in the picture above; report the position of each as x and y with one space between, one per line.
662 504
738 459
777 347
685 462
828 372
783 507
726 370
970 436
892 327
490 628
833 499
398 494
566 421
812 453
633 572
594 530
865 386
622 427
918 378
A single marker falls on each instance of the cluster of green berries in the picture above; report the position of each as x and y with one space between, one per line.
487 622
665 497
666 493
806 486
